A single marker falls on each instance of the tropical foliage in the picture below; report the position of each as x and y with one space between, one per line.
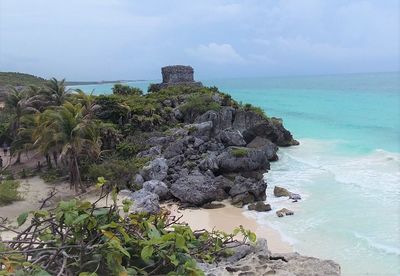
81 238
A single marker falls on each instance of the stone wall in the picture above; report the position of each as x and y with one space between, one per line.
177 74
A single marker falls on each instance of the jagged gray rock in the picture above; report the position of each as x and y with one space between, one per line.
247 190
231 137
221 119
266 145
200 129
258 260
157 169
143 201
197 189
240 159
151 152
259 207
280 191
157 187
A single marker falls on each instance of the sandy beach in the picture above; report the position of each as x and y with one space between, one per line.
228 218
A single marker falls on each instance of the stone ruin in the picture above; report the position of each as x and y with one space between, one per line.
177 75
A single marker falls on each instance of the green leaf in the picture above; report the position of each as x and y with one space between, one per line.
41 273
153 232
80 218
100 212
252 237
22 218
146 253
181 242
41 213
88 274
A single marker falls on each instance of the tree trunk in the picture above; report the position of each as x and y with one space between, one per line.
18 160
48 160
55 158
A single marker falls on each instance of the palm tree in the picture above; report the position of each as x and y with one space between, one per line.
68 129
17 103
55 92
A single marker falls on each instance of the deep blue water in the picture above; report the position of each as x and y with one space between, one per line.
347 167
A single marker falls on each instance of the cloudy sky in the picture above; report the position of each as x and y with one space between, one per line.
125 39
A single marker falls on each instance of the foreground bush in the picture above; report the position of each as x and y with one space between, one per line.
80 238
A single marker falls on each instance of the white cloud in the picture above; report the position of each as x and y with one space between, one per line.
216 53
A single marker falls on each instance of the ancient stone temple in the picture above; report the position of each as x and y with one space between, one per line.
177 75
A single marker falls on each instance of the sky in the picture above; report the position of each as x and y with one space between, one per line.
127 39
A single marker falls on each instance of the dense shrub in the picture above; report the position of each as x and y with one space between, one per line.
197 104
153 87
112 108
255 109
122 89
9 192
118 172
109 241
127 150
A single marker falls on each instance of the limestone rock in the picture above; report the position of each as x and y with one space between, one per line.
157 170
284 212
266 145
197 189
157 187
221 119
257 260
143 201
247 190
240 159
230 137
279 191
151 152
294 196
260 207
200 129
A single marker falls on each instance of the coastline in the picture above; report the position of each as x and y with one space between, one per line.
227 219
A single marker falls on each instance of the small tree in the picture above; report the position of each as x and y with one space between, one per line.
126 90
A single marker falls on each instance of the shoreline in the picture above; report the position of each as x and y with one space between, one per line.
227 219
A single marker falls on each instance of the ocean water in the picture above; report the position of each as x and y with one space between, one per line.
347 167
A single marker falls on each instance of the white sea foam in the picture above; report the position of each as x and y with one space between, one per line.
389 249
341 193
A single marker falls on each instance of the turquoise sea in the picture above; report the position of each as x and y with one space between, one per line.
347 167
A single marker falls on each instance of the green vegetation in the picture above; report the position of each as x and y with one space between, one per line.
9 192
239 152
255 109
109 241
120 173
84 136
123 89
20 79
197 104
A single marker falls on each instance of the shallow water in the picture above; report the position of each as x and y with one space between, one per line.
347 168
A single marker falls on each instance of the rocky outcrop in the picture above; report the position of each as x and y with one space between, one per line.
216 155
284 212
157 187
279 191
143 201
259 207
258 260
197 189
247 190
156 170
